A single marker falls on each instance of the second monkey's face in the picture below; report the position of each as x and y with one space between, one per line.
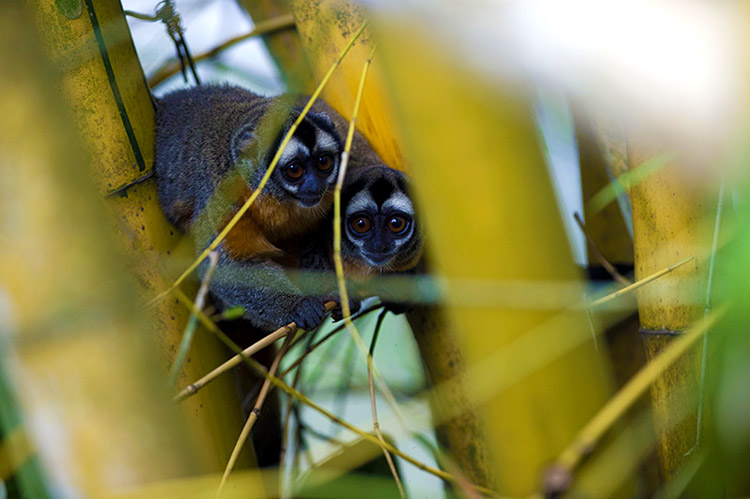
309 164
379 221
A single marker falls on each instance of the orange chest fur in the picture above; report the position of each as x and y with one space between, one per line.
273 229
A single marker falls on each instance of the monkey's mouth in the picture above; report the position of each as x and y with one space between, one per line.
378 259
309 202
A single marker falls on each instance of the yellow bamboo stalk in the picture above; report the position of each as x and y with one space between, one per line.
86 359
104 86
672 218
488 203
285 47
323 26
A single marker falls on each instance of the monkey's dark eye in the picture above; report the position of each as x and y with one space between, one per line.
294 171
360 224
397 224
324 162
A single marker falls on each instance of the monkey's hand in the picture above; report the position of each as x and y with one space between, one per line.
338 313
308 314
269 298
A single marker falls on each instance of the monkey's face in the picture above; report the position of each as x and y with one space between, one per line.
379 222
309 164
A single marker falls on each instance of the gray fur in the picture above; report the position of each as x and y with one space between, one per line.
211 141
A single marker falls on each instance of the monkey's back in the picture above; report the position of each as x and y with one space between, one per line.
194 133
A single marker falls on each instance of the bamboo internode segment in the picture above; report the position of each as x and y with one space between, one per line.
92 125
476 160
673 216
588 438
324 27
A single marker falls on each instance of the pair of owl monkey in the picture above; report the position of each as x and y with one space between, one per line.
214 144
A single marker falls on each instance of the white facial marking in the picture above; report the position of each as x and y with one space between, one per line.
325 142
399 202
361 202
292 150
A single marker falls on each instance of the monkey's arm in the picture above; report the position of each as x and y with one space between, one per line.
315 256
268 296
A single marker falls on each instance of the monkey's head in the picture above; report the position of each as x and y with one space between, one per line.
379 224
309 163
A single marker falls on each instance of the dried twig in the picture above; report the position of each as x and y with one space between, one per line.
187 336
253 415
262 371
338 329
638 284
283 331
599 256
266 27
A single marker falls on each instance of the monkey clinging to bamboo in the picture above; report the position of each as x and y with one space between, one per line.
213 146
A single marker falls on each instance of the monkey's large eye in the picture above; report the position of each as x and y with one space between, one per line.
294 171
324 162
397 224
360 224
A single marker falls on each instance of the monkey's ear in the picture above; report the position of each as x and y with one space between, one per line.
242 141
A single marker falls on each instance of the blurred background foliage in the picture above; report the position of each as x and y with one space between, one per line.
510 117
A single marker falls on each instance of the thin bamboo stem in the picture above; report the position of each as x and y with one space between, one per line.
262 371
588 437
187 336
283 331
375 422
338 264
638 284
262 28
241 212
265 389
287 419
598 254
706 311
325 338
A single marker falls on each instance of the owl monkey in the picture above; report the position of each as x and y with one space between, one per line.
380 232
213 146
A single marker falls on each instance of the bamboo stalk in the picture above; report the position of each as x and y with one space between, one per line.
586 440
187 336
